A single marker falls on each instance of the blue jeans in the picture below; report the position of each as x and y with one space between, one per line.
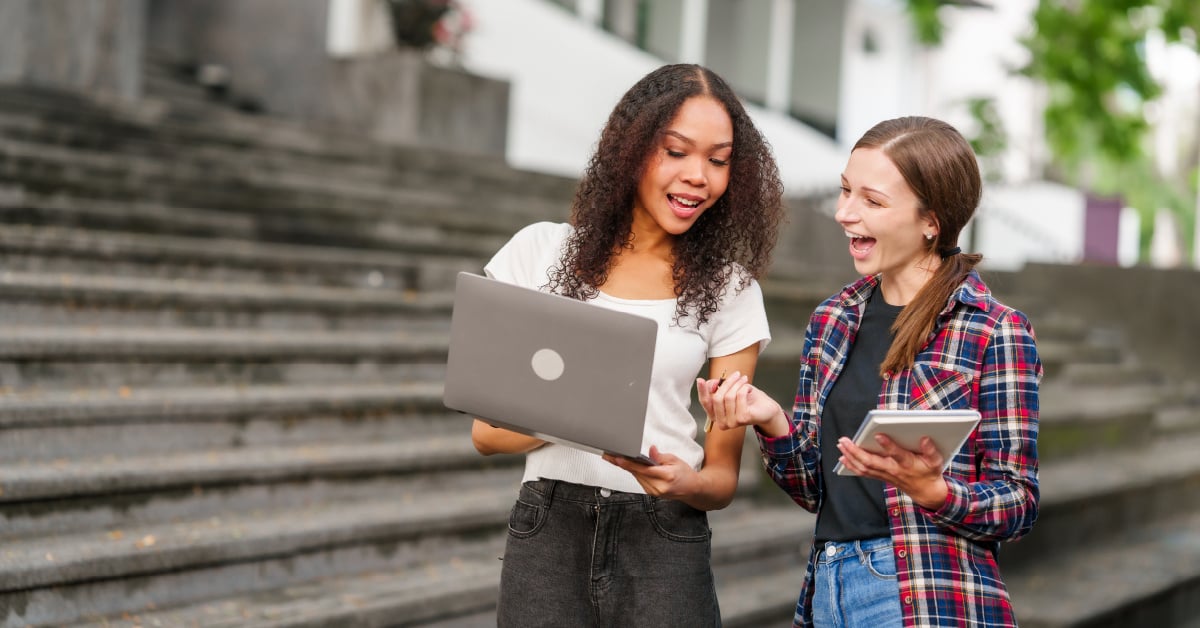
585 556
855 585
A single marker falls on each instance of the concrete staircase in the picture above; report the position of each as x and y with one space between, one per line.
220 361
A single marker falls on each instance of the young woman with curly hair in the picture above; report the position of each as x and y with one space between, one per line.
674 219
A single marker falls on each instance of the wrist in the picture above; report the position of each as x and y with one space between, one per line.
933 498
778 426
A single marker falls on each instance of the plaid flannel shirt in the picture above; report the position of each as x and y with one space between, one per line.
981 355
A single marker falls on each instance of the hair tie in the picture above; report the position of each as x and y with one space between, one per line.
951 252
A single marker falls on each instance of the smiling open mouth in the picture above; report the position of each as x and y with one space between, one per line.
860 244
683 207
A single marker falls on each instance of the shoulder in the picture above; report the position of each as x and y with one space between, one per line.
849 297
527 256
980 310
540 235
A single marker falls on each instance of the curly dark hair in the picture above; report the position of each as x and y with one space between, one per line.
740 229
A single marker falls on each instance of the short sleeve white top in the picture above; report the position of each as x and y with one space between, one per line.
680 352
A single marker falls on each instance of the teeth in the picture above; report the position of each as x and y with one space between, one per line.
683 201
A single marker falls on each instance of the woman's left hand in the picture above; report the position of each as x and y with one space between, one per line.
917 473
671 477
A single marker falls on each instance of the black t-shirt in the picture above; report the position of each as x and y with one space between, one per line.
854 508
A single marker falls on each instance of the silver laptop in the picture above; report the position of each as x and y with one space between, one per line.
556 368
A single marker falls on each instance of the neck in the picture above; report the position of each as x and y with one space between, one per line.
901 288
649 238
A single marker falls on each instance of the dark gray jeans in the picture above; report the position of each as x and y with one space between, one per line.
584 556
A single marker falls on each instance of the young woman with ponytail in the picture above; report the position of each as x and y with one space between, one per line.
903 543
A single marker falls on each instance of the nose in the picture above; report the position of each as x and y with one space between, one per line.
694 173
846 212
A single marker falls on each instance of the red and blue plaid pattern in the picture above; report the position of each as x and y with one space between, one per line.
981 354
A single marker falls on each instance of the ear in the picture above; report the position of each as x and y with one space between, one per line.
929 227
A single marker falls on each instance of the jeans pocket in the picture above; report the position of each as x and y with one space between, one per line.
676 521
527 514
881 563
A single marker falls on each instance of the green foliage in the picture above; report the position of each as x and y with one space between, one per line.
990 139
928 25
1090 54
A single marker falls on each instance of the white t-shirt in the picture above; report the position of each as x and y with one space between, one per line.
679 354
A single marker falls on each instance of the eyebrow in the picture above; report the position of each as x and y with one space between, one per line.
683 138
868 188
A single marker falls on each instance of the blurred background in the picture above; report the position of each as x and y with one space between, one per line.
229 231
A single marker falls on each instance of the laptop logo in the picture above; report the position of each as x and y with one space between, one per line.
547 364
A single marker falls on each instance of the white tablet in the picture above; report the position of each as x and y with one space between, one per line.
949 429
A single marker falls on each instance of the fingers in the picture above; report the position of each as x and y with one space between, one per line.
668 478
725 400
893 463
704 392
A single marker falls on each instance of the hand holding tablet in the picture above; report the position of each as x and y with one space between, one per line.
948 429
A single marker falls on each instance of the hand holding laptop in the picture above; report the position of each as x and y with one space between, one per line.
670 476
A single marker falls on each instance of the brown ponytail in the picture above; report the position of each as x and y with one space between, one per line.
915 322
940 168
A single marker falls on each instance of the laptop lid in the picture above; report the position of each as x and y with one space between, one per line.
550 366
556 368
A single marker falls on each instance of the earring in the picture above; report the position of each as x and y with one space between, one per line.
928 236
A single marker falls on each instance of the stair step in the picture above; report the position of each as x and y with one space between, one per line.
115 344
767 598
115 513
1089 502
235 558
110 476
49 358
1147 578
44 561
195 296
35 408
461 590
64 250
18 205
105 174
54 443
1085 420
1108 375
154 128
156 123
202 344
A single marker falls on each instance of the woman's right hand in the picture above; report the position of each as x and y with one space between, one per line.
737 403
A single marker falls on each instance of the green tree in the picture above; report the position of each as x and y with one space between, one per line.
1091 56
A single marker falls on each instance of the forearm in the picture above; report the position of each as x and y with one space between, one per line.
988 511
715 487
792 463
490 440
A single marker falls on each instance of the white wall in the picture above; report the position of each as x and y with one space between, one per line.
1033 221
979 52
567 75
887 83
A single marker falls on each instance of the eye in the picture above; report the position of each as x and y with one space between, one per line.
719 162
873 203
674 153
845 191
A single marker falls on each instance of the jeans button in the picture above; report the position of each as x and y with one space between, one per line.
831 550
605 492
